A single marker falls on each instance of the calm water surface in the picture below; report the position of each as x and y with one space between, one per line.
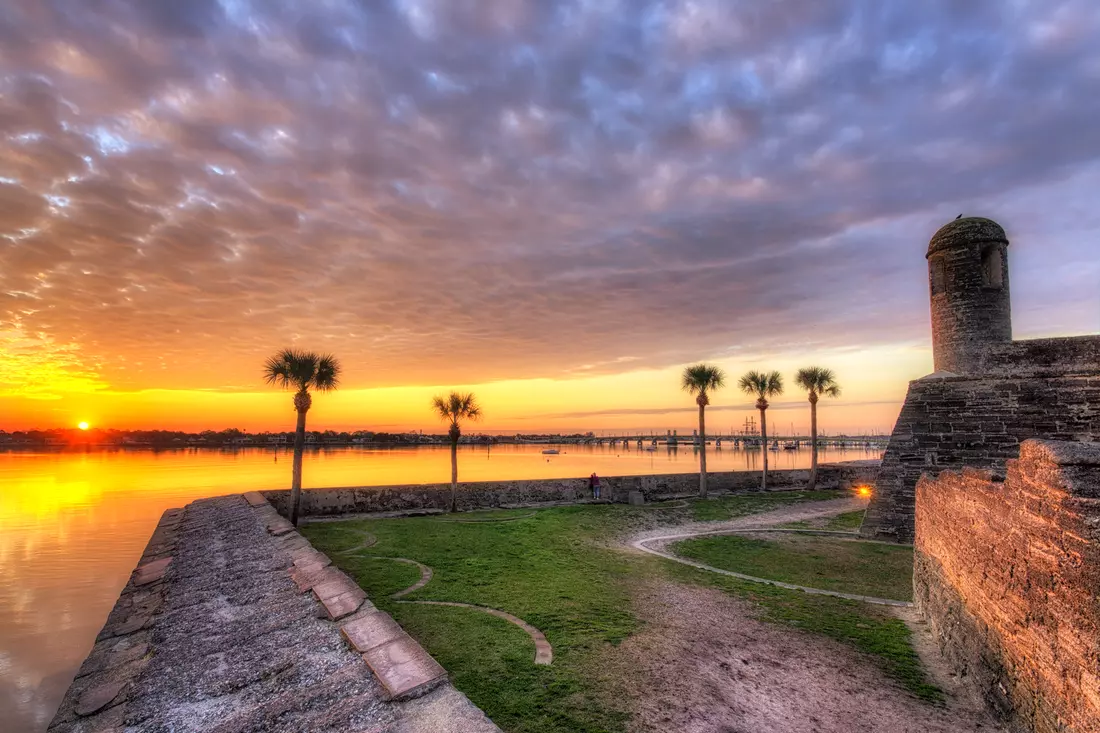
73 525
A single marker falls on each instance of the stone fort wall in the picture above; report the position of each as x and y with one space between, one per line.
988 393
492 494
1047 389
1007 573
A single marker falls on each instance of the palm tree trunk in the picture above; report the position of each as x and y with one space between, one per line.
296 473
764 449
454 475
813 444
702 454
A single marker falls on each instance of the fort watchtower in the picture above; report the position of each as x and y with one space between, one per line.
968 280
988 393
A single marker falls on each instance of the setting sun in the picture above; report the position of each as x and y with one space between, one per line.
83 425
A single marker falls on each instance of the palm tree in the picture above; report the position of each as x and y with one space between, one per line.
763 385
302 370
699 380
817 381
454 408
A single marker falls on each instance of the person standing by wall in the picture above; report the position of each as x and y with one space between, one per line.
594 484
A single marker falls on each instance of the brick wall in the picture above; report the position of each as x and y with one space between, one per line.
977 422
1008 575
489 494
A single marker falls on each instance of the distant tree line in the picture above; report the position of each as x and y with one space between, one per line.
216 438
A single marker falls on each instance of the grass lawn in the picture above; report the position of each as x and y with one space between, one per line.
847 522
731 507
831 563
561 571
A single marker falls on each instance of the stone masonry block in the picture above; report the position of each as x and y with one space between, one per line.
404 669
367 632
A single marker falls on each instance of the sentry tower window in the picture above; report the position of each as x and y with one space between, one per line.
992 268
938 275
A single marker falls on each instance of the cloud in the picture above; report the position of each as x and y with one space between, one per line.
457 192
35 367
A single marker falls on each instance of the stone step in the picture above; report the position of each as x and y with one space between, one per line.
404 669
307 556
279 526
375 629
151 571
344 604
255 498
307 577
340 596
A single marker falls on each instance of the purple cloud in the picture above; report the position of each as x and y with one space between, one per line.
457 191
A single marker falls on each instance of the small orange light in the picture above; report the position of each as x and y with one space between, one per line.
864 491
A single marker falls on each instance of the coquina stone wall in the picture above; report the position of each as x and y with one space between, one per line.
952 422
490 494
988 393
1043 357
1008 575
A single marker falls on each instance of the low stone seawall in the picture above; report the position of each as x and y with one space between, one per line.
233 623
493 494
1008 575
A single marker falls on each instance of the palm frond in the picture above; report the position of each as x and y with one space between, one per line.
456 406
469 408
818 380
761 384
277 371
302 370
748 382
326 376
702 378
442 407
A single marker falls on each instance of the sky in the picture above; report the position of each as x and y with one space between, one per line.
554 204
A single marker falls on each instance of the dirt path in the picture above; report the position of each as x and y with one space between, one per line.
705 663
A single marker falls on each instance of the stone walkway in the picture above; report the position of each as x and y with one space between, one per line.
212 634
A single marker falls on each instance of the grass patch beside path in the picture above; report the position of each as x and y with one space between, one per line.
830 563
545 569
847 522
731 507
562 572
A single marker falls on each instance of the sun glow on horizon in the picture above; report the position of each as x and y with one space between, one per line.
642 400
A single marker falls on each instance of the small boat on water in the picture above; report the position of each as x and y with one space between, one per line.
790 445
551 452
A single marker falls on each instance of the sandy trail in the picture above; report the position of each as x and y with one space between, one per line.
705 663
